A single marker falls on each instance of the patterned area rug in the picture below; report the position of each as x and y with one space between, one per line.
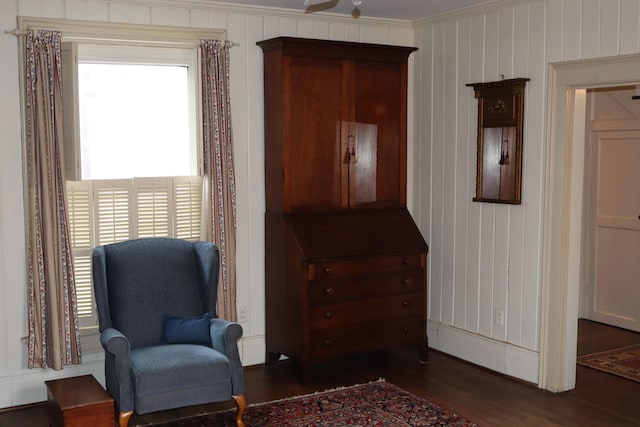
374 404
624 362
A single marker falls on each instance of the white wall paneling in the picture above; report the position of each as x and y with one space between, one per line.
423 154
449 106
590 40
473 246
464 174
497 250
533 179
12 277
570 30
609 27
436 237
629 31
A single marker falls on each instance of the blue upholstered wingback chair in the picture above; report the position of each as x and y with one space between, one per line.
164 346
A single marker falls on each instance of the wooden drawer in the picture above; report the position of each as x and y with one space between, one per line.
364 267
341 290
365 311
368 336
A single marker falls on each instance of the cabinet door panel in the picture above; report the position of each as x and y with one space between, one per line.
315 113
378 174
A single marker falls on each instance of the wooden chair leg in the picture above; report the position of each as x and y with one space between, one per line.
242 403
123 418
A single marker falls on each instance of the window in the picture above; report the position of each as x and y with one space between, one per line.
106 210
131 150
136 111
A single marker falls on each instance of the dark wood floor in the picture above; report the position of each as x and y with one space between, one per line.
489 399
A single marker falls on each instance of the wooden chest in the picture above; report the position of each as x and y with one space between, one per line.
79 402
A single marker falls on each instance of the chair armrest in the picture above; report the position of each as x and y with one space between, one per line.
224 338
115 342
118 367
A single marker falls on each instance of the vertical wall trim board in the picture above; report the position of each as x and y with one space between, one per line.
619 37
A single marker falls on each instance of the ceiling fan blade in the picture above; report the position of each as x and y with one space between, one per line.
318 7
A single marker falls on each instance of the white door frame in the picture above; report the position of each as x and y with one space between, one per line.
564 207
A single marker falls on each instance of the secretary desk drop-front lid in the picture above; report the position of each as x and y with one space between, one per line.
355 233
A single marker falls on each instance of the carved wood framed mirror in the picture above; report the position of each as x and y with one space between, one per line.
500 130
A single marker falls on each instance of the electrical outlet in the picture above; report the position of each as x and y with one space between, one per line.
242 315
499 317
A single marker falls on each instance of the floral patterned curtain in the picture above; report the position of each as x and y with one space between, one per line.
53 319
219 202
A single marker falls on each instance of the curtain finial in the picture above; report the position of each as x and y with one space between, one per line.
16 32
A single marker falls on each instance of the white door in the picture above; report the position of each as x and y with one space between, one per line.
614 296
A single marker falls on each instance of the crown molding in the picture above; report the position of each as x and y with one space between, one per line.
486 7
223 7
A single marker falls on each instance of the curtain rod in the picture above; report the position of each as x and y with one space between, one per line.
17 32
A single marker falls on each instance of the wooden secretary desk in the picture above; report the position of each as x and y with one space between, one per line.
345 262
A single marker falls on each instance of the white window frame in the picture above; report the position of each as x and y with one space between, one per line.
75 53
97 33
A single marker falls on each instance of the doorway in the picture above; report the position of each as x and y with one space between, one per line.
563 246
610 292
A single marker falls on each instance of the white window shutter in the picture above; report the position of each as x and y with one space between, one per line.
153 207
188 202
84 290
79 211
70 118
79 200
112 203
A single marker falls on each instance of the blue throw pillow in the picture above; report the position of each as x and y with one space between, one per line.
187 330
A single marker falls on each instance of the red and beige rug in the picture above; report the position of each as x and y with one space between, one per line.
624 362
377 403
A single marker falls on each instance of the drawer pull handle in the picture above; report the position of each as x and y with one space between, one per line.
405 303
328 315
405 261
407 281
405 330
326 270
329 291
327 342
